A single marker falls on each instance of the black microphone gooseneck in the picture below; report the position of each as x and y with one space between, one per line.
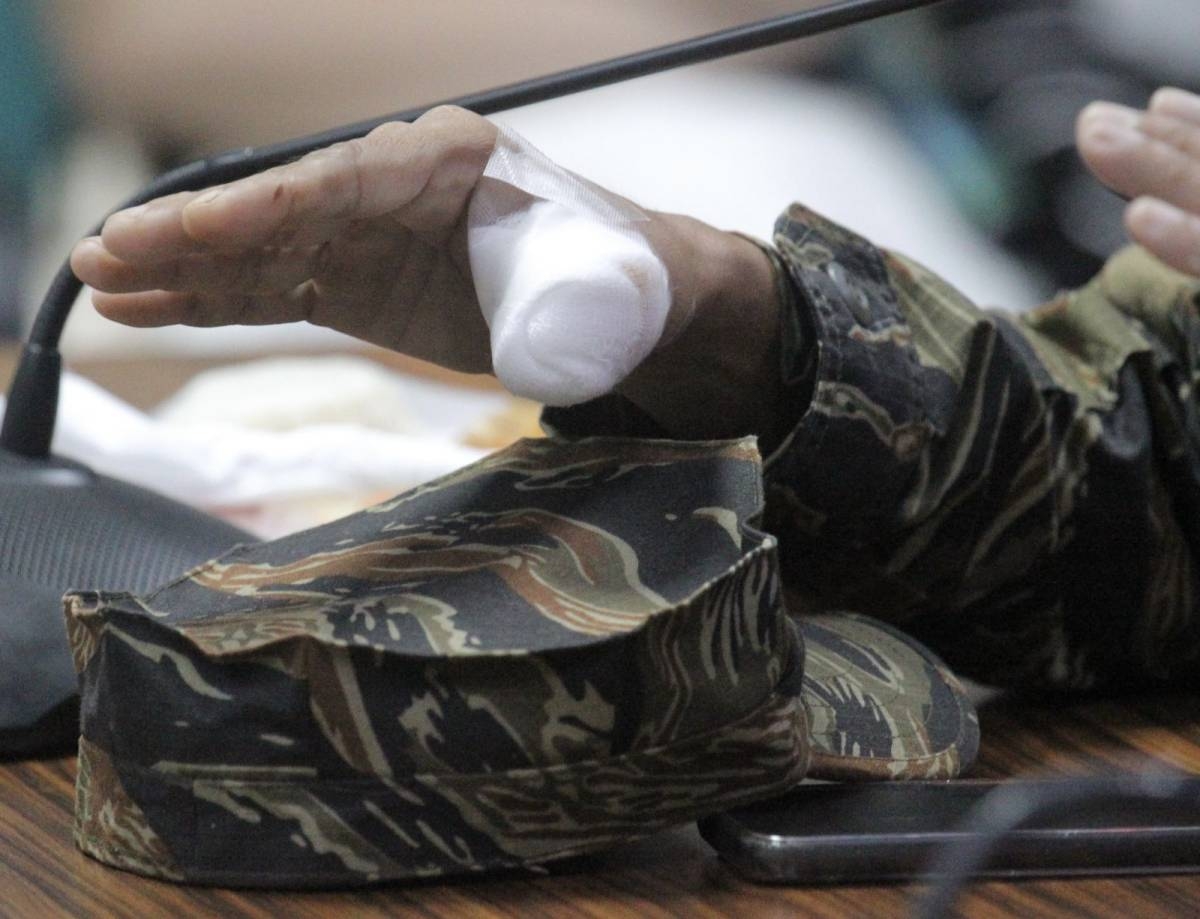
33 397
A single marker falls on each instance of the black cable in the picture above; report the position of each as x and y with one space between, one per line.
33 397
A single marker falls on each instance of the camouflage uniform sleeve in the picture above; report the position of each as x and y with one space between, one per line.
1022 493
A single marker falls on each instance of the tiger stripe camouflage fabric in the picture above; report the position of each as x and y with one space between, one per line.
1021 493
564 646
881 706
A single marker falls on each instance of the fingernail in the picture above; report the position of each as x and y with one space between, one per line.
1156 221
131 213
1178 102
1110 111
1166 231
207 198
1096 113
91 248
87 248
1116 133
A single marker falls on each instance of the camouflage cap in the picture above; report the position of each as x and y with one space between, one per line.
562 647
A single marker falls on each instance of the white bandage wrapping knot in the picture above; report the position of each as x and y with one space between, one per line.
573 294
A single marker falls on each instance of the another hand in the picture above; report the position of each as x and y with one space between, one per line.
1153 157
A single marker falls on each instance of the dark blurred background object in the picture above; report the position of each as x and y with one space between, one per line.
31 123
990 93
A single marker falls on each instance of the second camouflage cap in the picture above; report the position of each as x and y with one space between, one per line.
560 648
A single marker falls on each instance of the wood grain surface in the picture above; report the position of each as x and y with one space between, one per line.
671 874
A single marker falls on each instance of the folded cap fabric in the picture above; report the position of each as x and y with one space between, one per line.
562 647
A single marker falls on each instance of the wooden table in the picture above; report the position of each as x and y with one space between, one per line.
673 873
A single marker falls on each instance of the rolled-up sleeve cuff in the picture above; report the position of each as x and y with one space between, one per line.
847 463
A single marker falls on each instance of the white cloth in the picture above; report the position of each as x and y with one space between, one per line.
271 481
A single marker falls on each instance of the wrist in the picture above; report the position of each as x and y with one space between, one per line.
716 371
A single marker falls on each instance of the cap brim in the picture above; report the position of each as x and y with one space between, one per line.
881 705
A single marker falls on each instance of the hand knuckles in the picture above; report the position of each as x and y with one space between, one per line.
461 134
447 116
334 185
388 132
386 142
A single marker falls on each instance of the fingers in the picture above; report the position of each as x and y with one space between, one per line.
1177 103
281 206
149 232
342 283
147 309
1153 157
423 173
1154 153
257 270
1173 235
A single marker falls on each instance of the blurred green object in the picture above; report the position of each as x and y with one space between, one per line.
32 121
31 112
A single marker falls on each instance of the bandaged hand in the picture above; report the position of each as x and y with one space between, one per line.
370 237
1152 157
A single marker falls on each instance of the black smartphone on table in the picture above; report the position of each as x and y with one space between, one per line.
825 833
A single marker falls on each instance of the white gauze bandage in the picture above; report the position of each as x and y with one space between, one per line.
573 294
